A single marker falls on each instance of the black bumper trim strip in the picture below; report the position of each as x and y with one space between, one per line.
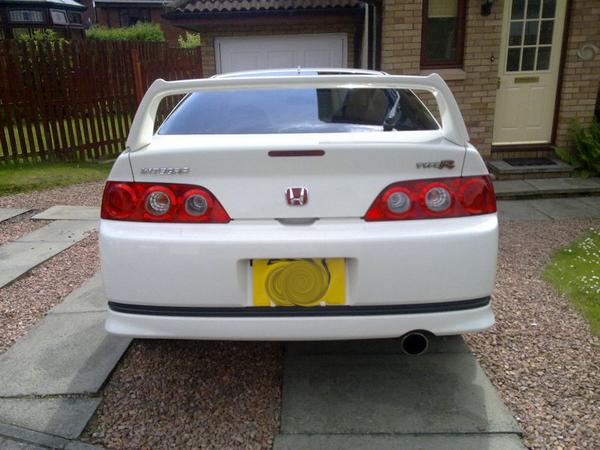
297 311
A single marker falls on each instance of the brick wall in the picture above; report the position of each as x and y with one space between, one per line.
262 26
581 78
476 92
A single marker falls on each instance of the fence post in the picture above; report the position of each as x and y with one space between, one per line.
137 74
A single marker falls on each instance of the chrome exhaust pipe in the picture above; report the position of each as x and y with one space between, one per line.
414 343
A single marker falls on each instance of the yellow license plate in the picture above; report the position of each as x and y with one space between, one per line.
299 282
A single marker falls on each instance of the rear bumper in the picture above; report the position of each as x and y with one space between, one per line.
387 263
274 324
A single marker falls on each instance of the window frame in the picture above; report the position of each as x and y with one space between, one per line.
457 62
30 10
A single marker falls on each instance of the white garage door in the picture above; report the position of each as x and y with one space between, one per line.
275 52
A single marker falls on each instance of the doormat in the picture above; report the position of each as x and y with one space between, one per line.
520 162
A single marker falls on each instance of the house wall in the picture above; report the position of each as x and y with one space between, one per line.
475 85
110 17
271 25
581 78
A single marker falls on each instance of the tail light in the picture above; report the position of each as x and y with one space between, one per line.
437 198
156 202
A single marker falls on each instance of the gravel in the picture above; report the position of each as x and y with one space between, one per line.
85 194
26 301
191 394
541 355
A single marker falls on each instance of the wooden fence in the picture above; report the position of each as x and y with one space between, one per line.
76 101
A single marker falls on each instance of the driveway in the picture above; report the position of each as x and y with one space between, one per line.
539 360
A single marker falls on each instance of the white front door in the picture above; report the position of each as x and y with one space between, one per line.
528 71
276 52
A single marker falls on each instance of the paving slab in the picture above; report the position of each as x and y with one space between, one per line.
546 187
390 394
64 354
395 442
444 344
31 439
512 187
566 208
61 231
565 185
20 256
65 417
89 297
520 210
9 213
592 202
64 212
9 444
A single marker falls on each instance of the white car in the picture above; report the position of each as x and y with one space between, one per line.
300 204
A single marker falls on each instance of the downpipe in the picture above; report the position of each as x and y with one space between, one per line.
414 343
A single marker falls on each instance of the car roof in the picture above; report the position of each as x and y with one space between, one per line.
297 71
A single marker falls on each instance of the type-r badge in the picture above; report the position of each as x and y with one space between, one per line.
296 196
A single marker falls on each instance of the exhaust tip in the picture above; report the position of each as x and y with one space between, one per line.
414 343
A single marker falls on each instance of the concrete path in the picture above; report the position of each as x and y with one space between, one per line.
550 208
67 354
9 213
546 187
358 395
63 212
20 256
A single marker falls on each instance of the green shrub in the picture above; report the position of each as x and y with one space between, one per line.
189 40
46 35
149 32
585 156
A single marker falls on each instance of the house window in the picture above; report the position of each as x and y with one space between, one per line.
131 16
74 17
58 17
443 33
32 16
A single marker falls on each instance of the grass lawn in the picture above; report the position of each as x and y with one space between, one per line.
31 177
575 271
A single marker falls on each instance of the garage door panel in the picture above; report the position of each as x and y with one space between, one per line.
280 59
322 58
276 52
244 61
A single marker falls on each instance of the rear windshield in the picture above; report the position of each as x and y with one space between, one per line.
298 111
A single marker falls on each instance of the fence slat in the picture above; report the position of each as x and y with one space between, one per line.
76 101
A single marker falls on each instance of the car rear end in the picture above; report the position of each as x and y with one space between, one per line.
244 218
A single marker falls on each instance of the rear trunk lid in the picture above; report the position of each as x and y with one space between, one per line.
341 183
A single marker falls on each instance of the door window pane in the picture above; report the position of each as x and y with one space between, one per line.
512 62
543 58
516 33
518 9
549 8
533 9
528 58
531 32
546 32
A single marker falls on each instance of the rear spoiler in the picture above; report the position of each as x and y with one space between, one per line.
453 125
